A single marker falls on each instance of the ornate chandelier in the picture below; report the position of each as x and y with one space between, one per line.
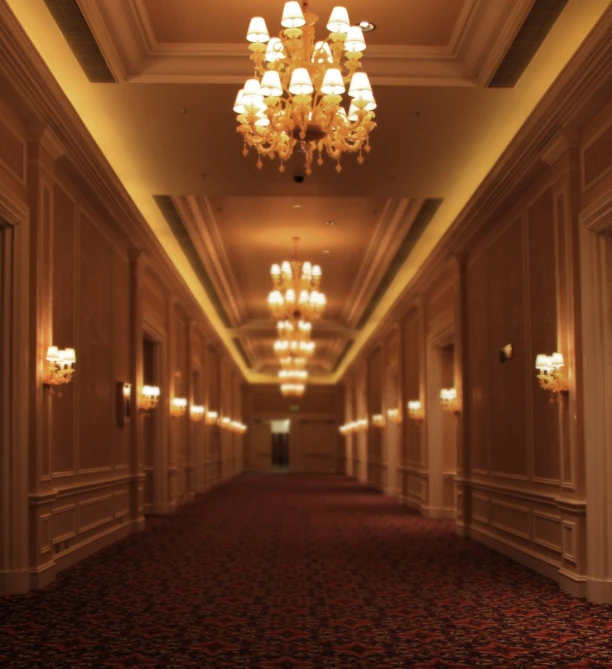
292 389
286 347
295 97
296 298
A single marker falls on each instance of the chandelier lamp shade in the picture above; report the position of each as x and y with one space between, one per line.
295 299
295 97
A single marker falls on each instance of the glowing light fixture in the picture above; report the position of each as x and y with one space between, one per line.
415 411
60 368
149 398
448 397
178 407
550 377
295 98
197 413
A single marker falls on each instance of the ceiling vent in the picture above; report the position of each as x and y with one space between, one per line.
74 27
528 40
174 220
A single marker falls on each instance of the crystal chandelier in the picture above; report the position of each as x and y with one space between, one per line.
286 347
295 97
296 300
292 389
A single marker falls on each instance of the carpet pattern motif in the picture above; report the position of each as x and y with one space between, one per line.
300 572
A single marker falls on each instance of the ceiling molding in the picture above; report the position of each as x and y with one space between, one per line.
393 225
141 58
201 225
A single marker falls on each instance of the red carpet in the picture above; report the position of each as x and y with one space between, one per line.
300 572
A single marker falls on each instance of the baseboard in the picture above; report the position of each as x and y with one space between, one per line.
437 512
573 584
45 575
14 582
520 555
599 591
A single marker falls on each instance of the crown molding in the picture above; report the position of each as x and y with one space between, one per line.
127 39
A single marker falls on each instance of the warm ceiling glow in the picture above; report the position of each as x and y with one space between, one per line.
295 96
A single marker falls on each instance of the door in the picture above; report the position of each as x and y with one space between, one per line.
261 443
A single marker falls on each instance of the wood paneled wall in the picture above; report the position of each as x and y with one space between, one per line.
80 280
510 464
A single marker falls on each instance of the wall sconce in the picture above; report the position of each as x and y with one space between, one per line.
225 423
449 399
212 417
362 425
124 402
196 413
237 427
149 398
178 407
550 377
60 367
378 420
394 416
415 411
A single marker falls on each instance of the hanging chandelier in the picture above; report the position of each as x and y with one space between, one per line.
292 389
295 97
293 375
300 330
296 300
285 347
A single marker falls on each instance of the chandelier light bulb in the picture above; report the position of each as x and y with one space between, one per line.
286 269
252 93
271 84
275 271
333 84
258 31
360 83
338 21
293 16
301 83
354 41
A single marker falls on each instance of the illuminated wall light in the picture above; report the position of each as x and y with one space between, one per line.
415 411
212 418
550 377
394 416
448 397
196 413
59 369
149 398
178 407
378 420
225 423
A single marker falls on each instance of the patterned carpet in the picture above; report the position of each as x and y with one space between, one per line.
300 572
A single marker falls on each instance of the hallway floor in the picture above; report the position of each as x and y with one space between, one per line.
300 572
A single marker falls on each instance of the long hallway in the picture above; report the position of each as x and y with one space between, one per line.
299 572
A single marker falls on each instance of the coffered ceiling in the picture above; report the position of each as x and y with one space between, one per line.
155 80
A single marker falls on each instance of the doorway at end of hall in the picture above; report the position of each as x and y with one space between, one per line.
281 430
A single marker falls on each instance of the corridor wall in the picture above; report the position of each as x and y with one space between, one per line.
519 468
80 269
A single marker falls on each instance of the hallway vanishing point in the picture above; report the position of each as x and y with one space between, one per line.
299 572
